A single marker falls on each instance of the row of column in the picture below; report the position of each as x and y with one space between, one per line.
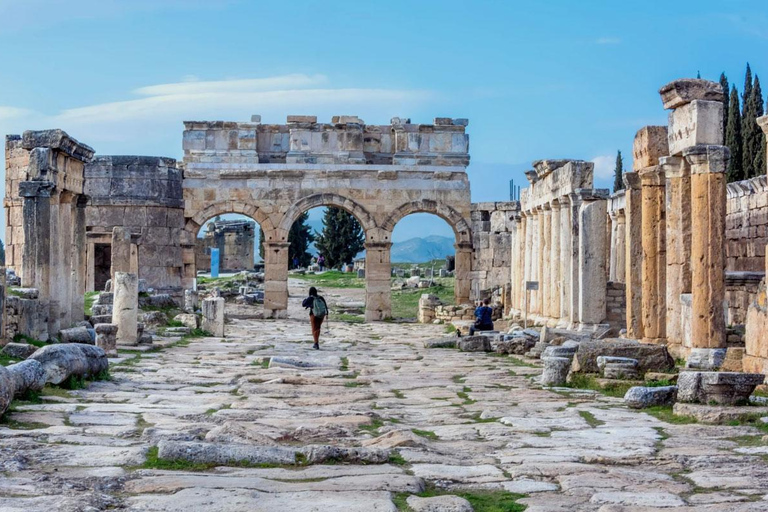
561 245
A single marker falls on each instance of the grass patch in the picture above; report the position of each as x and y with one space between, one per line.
427 434
344 364
405 303
6 360
477 419
583 381
481 501
519 362
450 329
90 298
397 459
590 419
263 362
348 318
374 426
458 379
398 393
23 338
335 279
153 461
355 384
664 413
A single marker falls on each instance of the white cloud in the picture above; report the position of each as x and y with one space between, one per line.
608 40
605 165
13 112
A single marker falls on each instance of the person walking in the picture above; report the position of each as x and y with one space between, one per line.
318 310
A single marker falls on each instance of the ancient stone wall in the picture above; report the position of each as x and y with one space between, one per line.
144 195
235 240
493 229
747 225
274 173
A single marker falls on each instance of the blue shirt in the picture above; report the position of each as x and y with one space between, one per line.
484 315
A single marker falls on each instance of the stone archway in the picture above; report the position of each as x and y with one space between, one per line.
461 229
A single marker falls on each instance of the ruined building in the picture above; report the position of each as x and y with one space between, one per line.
235 241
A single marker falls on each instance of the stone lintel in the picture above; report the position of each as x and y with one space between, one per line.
650 144
36 188
707 158
591 194
346 120
59 140
545 167
685 90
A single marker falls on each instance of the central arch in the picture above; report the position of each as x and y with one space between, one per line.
329 199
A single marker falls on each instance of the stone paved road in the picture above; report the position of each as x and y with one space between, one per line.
482 421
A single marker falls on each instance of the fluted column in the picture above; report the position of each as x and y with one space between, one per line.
654 254
634 254
708 207
564 260
572 275
554 261
545 285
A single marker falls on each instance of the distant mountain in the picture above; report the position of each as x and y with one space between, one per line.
419 250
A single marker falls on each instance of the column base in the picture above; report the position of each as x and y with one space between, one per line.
706 358
655 341
275 313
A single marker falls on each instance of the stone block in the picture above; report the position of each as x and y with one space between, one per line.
684 91
18 350
693 124
301 119
106 338
126 307
76 335
640 397
723 388
649 356
706 358
651 143
474 344
555 371
213 316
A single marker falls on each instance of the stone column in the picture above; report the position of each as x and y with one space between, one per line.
528 258
125 307
708 203
121 251
678 233
592 249
63 259
378 273
538 296
621 251
516 261
571 280
634 254
545 285
37 242
463 269
90 279
565 262
654 254
275 279
79 266
554 261
614 249
213 316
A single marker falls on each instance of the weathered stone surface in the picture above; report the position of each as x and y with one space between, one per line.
238 433
446 503
74 359
602 361
76 335
126 307
725 388
213 316
190 320
640 397
718 414
442 343
474 344
555 371
650 145
619 371
680 92
706 358
154 319
106 338
18 350
7 389
649 357
27 375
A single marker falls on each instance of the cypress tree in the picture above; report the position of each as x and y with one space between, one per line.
747 123
618 183
299 238
758 137
733 138
261 243
726 100
341 239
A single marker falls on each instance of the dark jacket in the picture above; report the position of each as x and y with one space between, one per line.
310 301
484 315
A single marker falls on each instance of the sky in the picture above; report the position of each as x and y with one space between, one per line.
549 79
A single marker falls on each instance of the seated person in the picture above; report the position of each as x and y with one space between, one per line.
483 318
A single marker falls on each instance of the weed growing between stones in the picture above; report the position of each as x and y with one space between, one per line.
398 393
373 427
355 384
590 419
664 413
519 362
427 434
23 338
344 364
397 459
458 379
481 500
584 381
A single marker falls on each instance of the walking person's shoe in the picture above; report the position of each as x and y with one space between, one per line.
316 346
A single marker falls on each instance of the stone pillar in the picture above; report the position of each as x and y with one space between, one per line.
213 316
554 261
463 269
79 265
678 233
613 265
515 262
545 285
125 308
708 203
621 250
592 250
539 245
275 279
571 280
378 287
36 269
654 254
528 258
121 251
190 301
106 338
634 254
565 262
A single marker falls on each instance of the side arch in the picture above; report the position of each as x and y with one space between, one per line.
194 223
306 203
458 223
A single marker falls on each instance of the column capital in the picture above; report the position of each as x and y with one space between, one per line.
653 175
37 189
546 207
673 166
631 181
555 203
707 158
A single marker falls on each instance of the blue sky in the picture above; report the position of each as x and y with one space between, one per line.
536 79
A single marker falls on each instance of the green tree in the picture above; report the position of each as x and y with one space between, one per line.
341 239
299 238
757 143
733 137
726 100
747 125
261 243
618 183
2 253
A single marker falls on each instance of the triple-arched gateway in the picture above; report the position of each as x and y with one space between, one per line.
380 174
